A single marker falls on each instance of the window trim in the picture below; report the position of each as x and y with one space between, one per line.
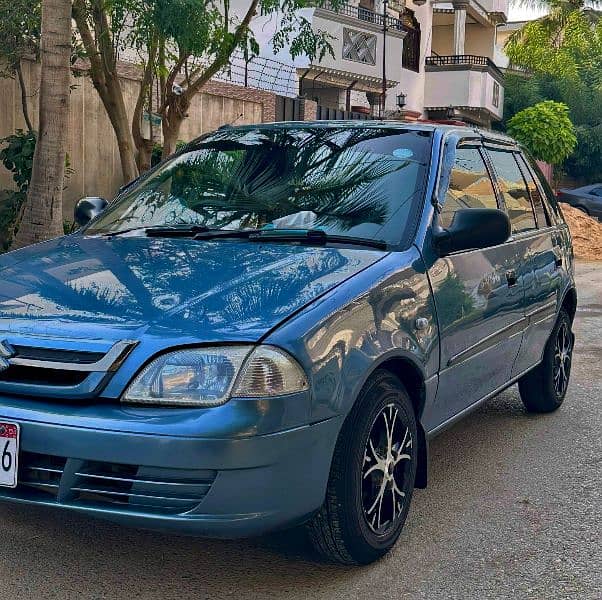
513 150
554 211
468 142
524 164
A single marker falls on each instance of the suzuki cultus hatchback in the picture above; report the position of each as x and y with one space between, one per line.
265 330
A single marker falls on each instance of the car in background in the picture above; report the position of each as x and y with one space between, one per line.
587 198
267 329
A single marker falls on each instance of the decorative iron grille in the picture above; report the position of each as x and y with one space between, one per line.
359 46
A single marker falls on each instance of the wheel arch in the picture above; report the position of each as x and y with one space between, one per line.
413 379
569 302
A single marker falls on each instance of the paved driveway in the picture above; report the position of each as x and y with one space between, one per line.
513 510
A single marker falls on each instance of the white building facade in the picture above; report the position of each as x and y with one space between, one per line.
439 58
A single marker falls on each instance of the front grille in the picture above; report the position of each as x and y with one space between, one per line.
52 355
30 368
127 487
38 376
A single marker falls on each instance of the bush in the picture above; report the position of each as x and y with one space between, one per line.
546 130
17 157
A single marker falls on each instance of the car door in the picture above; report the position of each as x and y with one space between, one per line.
479 295
545 262
595 201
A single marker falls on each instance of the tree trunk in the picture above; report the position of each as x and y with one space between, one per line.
170 138
115 106
42 215
24 100
98 43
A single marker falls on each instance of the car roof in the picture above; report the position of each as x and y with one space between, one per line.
468 130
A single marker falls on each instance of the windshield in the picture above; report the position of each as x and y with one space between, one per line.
358 182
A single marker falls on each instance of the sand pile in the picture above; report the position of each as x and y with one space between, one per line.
586 233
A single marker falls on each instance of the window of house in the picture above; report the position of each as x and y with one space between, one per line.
469 185
543 220
496 94
514 189
411 43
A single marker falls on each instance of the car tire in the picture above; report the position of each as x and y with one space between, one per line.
543 389
372 476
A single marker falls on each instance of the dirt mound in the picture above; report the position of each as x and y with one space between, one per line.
586 233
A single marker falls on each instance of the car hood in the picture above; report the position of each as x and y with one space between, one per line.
173 290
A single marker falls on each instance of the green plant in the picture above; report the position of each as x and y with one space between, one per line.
17 157
157 155
546 130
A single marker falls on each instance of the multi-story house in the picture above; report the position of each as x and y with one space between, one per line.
425 58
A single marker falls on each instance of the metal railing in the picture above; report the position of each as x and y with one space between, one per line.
260 73
462 59
364 14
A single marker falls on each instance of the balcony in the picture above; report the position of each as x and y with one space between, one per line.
366 15
357 35
466 86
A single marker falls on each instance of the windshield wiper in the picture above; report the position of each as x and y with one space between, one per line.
162 230
313 237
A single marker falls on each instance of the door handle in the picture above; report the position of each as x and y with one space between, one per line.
511 278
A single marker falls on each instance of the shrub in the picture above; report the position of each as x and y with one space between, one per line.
546 130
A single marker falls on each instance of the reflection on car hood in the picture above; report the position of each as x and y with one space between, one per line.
85 287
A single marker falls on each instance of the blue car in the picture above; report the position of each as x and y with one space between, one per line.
267 329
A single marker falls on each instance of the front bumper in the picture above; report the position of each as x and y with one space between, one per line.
215 487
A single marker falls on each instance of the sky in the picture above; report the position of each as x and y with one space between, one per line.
521 13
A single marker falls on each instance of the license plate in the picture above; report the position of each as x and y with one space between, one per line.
9 454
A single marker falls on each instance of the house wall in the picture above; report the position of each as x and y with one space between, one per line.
334 24
411 82
467 87
92 149
480 40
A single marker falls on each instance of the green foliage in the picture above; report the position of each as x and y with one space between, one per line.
546 130
17 157
157 154
562 53
20 25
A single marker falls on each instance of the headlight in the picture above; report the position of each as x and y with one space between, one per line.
211 376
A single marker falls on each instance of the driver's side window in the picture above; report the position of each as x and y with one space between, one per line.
470 185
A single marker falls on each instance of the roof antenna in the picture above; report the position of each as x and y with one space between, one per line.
227 125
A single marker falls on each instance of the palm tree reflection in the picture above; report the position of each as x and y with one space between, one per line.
250 178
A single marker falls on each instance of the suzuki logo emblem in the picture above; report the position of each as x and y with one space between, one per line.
6 352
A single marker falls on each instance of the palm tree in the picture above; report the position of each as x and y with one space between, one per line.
42 214
558 16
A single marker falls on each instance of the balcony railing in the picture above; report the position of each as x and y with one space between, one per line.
364 14
462 59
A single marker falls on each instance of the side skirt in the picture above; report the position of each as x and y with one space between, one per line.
453 420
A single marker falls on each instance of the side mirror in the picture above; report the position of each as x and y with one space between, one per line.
473 228
88 208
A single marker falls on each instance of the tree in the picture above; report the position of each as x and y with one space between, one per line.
19 39
42 214
546 130
182 44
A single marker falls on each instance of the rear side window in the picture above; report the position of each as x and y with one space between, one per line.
597 191
543 219
469 185
548 196
514 189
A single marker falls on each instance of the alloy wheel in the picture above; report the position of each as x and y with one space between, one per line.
385 472
563 349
